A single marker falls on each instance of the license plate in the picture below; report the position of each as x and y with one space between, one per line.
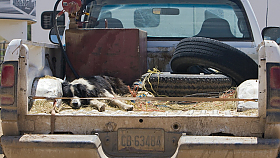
141 140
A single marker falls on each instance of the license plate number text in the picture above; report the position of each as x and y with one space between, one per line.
140 140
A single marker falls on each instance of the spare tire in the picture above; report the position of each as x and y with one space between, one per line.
179 85
213 54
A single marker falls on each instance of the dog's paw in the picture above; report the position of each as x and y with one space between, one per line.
129 107
101 108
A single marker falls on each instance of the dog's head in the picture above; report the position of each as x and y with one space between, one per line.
75 91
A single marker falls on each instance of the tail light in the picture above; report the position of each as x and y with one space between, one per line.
7 100
273 95
8 84
8 76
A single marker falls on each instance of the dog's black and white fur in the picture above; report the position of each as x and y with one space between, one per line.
96 86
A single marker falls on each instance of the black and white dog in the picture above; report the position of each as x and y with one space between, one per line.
96 86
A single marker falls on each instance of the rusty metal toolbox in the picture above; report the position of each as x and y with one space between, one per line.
114 52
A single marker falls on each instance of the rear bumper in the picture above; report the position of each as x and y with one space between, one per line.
222 147
52 146
86 146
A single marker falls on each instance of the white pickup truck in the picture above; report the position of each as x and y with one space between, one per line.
200 46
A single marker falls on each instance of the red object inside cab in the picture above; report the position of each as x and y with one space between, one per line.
71 6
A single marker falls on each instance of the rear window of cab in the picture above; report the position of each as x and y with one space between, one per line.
218 21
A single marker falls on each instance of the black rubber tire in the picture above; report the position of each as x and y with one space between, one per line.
213 54
179 85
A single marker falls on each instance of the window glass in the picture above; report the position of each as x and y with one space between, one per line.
145 18
181 20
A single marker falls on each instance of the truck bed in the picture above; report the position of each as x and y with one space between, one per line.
149 108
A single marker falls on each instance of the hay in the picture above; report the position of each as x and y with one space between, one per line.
43 106
49 77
